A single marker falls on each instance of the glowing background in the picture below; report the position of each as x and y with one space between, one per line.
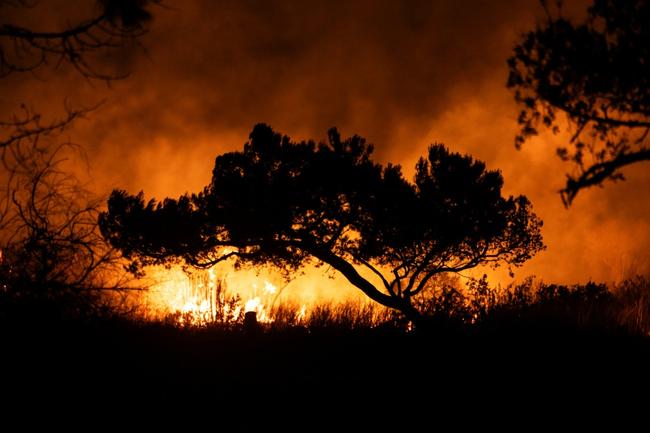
401 74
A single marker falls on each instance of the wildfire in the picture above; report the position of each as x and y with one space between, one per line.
223 295
261 303
302 313
201 298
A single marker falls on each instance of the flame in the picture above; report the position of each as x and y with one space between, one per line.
223 294
302 313
270 288
261 304
200 298
252 305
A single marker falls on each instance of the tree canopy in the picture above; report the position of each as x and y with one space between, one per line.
597 74
283 203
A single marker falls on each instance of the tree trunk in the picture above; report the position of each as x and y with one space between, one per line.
402 305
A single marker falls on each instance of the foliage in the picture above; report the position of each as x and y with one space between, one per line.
529 307
50 245
632 305
597 74
347 315
287 203
535 306
51 253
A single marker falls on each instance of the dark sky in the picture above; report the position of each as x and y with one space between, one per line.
403 74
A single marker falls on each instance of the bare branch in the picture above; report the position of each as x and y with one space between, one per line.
115 25
375 271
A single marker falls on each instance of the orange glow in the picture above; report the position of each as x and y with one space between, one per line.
200 298
160 130
261 303
222 295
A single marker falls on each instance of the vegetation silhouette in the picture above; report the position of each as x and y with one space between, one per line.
460 307
113 26
536 342
597 74
284 203
52 256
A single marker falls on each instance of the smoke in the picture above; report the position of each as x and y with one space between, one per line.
401 74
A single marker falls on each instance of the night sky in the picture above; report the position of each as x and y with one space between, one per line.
402 74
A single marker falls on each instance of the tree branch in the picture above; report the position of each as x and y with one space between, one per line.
117 23
23 33
351 274
376 272
597 173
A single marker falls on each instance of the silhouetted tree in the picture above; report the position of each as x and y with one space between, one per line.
597 74
284 203
50 245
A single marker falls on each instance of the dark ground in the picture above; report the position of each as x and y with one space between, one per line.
115 373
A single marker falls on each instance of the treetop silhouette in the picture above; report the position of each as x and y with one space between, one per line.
597 74
284 203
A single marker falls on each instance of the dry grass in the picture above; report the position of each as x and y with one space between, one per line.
632 309
624 307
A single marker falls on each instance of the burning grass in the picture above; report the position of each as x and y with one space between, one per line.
203 300
210 300
501 342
